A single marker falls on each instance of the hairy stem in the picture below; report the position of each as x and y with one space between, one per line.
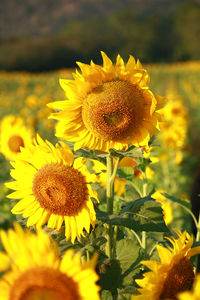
111 174
109 197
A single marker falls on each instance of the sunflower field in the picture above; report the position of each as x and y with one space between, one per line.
99 182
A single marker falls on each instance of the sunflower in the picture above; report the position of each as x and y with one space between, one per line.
107 106
174 274
192 295
174 128
28 276
51 189
175 110
173 135
13 135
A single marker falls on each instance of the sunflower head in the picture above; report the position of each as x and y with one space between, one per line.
108 106
173 274
13 135
31 277
51 187
174 128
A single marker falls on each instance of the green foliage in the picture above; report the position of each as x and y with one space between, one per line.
140 215
125 173
117 275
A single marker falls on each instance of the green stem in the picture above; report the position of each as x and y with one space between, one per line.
109 196
87 255
83 259
115 297
114 240
198 230
115 170
111 174
166 175
144 186
144 239
110 185
197 240
192 215
131 233
136 188
144 193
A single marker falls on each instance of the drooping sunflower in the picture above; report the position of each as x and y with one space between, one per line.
194 294
174 274
34 270
107 106
49 188
13 135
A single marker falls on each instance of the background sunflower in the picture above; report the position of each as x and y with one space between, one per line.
13 135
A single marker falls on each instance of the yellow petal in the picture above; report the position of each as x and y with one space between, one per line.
164 254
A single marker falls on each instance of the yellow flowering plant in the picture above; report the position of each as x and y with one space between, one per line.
94 198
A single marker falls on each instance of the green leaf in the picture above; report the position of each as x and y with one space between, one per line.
125 173
106 295
144 162
131 152
137 185
110 275
127 292
185 203
92 154
129 254
140 215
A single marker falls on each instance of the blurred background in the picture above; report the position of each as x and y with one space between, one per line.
44 35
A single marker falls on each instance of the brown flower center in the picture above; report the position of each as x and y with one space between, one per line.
15 142
179 279
60 189
44 284
113 110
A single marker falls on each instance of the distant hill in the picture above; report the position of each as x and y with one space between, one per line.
42 35
37 18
